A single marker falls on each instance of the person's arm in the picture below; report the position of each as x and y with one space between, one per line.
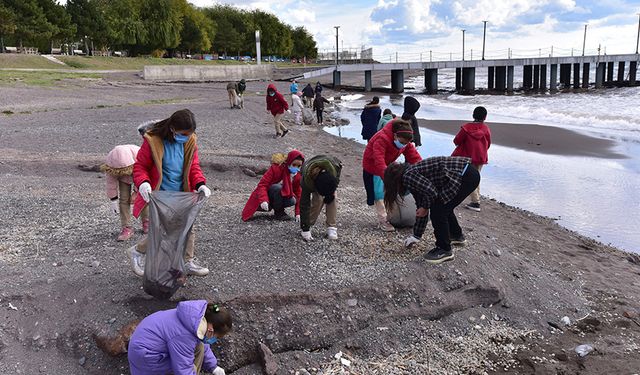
305 208
268 104
143 164
182 356
488 137
210 361
459 138
326 100
297 191
411 154
112 187
282 100
416 131
379 163
196 177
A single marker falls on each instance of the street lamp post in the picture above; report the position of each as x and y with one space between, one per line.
584 41
336 27
484 35
638 38
463 30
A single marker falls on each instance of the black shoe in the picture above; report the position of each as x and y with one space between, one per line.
438 255
282 216
473 206
285 133
458 241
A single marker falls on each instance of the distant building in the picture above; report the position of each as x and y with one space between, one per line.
346 56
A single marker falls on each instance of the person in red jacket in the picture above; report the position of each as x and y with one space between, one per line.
277 106
278 188
383 149
168 160
473 141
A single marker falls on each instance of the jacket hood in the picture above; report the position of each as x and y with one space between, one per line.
371 105
411 105
476 130
191 313
388 117
272 87
122 156
293 155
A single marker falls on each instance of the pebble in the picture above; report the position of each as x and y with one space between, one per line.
95 263
496 252
352 302
566 321
271 337
49 281
82 361
112 320
303 372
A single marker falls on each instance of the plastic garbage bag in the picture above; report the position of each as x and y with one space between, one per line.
307 116
171 215
583 350
403 214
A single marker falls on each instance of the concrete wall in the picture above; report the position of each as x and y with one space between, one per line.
207 73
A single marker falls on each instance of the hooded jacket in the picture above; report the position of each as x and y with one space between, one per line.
310 170
384 120
473 140
370 117
165 342
278 172
148 167
277 103
307 91
119 167
381 151
411 106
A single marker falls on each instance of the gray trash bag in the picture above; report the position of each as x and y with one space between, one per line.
403 214
307 116
171 215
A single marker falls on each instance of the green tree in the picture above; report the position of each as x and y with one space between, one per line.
275 37
7 24
198 31
126 28
163 22
63 28
303 44
89 18
30 21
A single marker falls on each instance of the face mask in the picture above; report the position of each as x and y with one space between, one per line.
180 138
210 341
398 144
294 170
272 93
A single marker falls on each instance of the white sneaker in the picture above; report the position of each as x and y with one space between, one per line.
332 233
137 260
195 269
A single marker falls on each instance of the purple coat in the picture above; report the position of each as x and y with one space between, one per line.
165 342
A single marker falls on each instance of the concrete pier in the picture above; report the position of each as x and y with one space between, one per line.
585 75
576 75
565 75
501 78
620 72
458 79
491 78
367 81
633 66
553 82
510 74
336 79
397 81
536 77
600 74
431 80
610 66
543 77
527 77
468 80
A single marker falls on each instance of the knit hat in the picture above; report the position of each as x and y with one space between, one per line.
326 184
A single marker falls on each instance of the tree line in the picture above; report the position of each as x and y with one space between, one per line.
150 27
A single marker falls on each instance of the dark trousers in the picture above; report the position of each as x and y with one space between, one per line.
319 115
276 201
444 221
367 178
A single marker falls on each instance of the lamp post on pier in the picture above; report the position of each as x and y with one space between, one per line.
638 38
336 27
584 41
463 30
484 36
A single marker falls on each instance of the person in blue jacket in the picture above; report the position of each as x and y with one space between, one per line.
370 117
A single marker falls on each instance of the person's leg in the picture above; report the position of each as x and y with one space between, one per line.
331 211
124 201
470 182
368 187
192 267
190 247
440 215
198 358
316 207
144 217
142 245
230 93
276 124
320 116
280 128
475 195
275 198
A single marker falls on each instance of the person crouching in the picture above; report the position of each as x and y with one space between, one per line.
320 179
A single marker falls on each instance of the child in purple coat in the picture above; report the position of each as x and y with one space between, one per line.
177 341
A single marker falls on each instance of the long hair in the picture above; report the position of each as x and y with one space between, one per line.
219 318
183 119
393 184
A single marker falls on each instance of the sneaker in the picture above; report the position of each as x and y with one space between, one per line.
145 226
285 133
386 227
438 255
137 260
458 241
125 234
282 216
278 135
332 233
193 268
473 206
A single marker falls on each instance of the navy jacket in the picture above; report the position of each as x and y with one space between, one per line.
370 117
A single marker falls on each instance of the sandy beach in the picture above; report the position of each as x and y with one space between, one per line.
496 308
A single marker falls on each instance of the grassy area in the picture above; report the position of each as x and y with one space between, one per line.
131 63
10 60
12 78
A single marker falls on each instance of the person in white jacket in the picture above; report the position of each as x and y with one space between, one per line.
297 107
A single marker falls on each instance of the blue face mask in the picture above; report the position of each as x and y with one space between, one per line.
294 170
398 144
180 138
272 93
210 341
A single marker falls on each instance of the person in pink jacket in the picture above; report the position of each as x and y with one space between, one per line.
118 167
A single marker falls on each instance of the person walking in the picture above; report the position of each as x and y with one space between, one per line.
473 141
370 117
383 149
387 116
411 106
168 160
233 96
241 86
277 106
293 89
318 106
438 184
320 179
307 95
297 107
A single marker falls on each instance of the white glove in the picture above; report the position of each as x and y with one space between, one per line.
288 111
145 189
410 241
307 236
218 371
204 189
297 218
115 206
264 206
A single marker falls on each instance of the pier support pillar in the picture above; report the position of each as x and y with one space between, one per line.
633 67
431 80
585 75
367 81
536 77
621 72
553 82
543 77
336 79
491 78
610 71
510 79
565 75
458 79
576 75
397 81
600 72
527 79
501 78
469 80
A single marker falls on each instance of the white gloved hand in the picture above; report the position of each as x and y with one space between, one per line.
114 206
264 206
145 189
410 241
218 371
297 218
307 236
204 189
288 111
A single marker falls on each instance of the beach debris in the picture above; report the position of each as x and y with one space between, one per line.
583 350
12 307
94 264
565 320
338 355
352 302
554 325
345 362
82 361
268 360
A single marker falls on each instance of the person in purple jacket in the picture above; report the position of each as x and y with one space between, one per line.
177 341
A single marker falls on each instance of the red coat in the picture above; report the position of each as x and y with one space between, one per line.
148 167
277 103
276 173
381 151
473 140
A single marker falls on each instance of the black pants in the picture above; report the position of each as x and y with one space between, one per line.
277 202
443 219
368 187
319 115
